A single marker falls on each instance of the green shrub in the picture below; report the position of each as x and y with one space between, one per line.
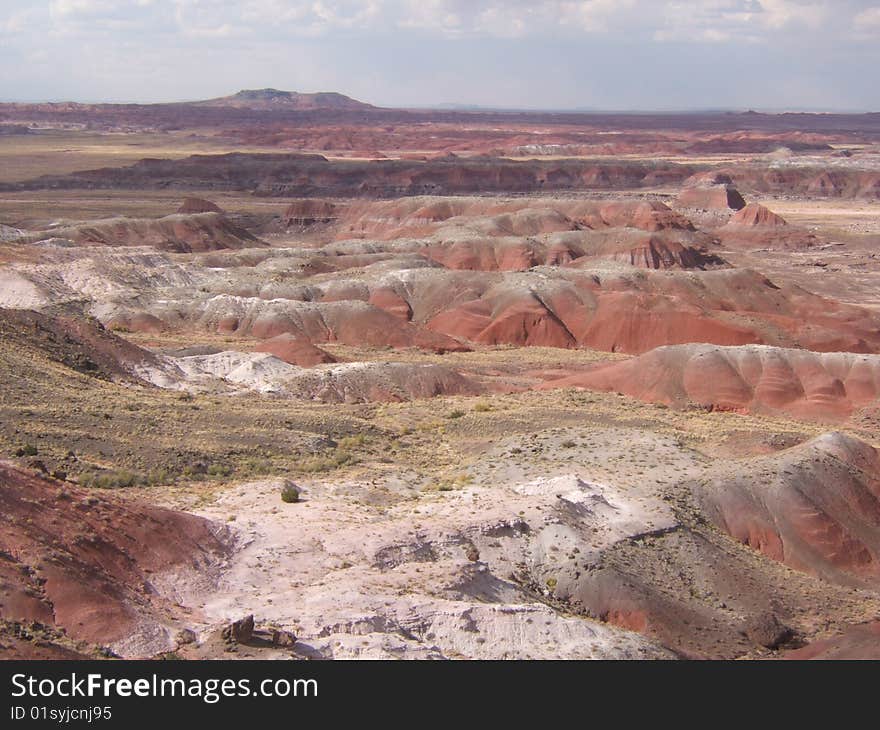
27 450
456 414
219 470
158 476
327 463
351 442
111 479
257 465
289 493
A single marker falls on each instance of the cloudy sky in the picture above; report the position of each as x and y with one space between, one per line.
551 54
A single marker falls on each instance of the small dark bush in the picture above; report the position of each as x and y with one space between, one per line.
290 493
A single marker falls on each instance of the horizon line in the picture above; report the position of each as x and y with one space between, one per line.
480 108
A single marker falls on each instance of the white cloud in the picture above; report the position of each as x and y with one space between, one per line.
662 20
509 18
18 22
511 52
594 15
781 13
747 21
867 23
74 8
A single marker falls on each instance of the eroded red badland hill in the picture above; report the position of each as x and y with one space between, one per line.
815 507
89 565
808 385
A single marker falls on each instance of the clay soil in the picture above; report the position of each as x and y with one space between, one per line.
495 453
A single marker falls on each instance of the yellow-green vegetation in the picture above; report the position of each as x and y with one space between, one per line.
449 483
119 435
331 461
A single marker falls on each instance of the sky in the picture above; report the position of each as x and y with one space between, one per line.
537 54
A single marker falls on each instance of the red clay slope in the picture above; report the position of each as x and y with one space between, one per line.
758 227
86 564
350 322
295 351
635 313
861 642
76 342
815 507
753 378
755 214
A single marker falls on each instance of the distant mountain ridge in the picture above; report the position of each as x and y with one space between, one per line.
267 99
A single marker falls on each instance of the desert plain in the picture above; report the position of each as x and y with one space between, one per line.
293 376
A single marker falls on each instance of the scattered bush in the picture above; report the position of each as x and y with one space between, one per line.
289 493
352 442
456 414
111 479
219 470
327 463
447 484
257 465
122 478
27 450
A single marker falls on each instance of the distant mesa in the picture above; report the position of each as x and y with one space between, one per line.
274 99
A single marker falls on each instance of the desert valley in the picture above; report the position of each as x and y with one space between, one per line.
294 376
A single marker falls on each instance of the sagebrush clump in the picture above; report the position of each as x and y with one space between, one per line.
289 493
